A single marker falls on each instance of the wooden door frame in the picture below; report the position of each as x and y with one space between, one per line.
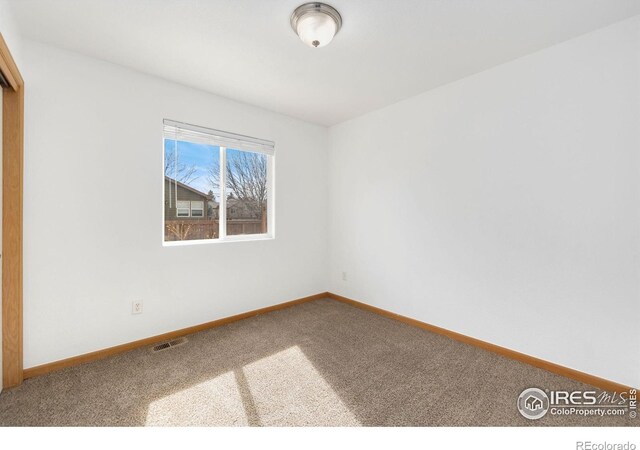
12 182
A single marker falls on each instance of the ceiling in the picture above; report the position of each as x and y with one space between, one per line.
387 50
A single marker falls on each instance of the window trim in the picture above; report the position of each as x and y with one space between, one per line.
240 143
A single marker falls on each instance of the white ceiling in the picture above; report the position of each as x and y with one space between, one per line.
387 50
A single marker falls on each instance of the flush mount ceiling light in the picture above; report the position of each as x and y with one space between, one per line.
316 23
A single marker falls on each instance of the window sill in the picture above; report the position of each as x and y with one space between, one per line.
228 239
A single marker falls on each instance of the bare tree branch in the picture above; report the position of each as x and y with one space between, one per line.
178 170
246 180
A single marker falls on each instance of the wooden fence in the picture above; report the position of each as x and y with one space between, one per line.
186 230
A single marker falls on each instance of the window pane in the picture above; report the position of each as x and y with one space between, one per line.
246 190
197 208
191 191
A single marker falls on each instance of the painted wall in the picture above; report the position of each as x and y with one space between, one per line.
93 210
9 31
504 206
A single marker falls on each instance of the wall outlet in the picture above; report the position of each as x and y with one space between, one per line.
344 276
136 307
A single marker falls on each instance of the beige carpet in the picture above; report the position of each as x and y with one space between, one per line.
322 363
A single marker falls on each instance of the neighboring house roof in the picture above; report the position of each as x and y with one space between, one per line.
189 188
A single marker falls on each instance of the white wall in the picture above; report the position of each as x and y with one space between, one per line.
93 210
505 206
9 31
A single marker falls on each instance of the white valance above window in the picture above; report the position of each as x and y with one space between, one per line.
193 133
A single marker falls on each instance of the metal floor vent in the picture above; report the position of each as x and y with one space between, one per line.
169 344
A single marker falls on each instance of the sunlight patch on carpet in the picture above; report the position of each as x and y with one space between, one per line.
214 402
286 388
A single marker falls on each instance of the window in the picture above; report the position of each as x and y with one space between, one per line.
246 179
218 186
182 209
197 209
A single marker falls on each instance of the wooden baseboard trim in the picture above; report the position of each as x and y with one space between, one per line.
111 351
573 374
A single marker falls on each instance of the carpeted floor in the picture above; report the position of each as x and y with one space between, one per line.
322 363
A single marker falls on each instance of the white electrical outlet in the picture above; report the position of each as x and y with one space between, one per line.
344 276
136 307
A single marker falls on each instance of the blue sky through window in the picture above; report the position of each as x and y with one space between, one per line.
198 161
200 158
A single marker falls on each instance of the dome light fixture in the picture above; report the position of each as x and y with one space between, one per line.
316 23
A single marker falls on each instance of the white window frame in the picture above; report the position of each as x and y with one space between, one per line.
192 133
